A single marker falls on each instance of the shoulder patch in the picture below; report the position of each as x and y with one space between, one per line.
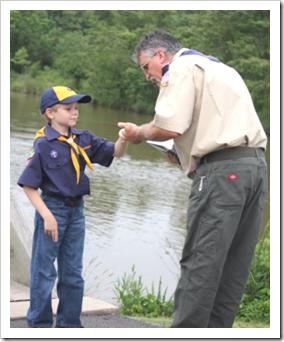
165 80
32 153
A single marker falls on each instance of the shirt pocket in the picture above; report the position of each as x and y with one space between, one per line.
56 164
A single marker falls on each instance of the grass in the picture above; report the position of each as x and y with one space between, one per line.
135 299
165 322
94 286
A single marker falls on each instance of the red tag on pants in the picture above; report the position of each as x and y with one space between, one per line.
233 177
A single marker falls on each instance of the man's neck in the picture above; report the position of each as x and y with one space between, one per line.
169 59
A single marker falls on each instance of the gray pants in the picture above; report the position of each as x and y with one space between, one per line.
223 225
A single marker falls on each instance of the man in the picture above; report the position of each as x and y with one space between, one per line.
206 108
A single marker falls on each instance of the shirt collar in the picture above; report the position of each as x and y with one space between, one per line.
75 131
176 56
52 133
165 68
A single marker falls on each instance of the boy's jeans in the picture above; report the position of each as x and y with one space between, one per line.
69 253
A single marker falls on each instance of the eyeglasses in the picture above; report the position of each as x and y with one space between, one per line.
144 67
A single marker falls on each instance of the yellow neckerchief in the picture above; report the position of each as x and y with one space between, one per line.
76 150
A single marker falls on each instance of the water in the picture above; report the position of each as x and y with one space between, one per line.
136 213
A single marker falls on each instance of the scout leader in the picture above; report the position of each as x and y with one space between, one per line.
205 106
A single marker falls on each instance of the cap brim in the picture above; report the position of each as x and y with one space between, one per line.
77 98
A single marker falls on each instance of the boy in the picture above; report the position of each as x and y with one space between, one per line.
56 165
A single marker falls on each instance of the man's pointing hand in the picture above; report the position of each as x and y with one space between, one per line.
130 132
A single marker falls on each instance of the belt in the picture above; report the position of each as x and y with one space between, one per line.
71 202
68 201
233 153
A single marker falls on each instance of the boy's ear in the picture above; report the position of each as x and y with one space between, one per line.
49 113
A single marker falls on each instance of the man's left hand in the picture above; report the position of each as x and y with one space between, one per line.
130 132
172 157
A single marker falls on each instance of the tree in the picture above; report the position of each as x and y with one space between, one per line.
21 59
73 57
92 49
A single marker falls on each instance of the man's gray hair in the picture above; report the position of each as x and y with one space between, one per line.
154 40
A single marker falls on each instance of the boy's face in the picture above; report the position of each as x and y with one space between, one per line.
65 116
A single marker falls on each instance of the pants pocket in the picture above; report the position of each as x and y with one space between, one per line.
208 238
52 203
230 187
209 230
263 186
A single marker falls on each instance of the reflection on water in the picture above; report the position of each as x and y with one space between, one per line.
136 213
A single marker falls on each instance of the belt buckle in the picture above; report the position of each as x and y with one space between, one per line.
72 203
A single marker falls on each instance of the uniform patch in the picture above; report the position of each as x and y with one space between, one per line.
165 80
54 154
233 177
28 162
32 153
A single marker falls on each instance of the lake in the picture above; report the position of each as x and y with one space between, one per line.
136 213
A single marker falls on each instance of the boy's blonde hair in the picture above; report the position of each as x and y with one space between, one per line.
54 109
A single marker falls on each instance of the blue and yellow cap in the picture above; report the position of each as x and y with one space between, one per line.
55 95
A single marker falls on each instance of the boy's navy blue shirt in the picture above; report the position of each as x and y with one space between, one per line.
50 167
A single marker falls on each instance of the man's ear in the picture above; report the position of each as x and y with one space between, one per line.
161 55
49 113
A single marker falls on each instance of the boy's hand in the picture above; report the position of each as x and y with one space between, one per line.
50 224
50 227
121 135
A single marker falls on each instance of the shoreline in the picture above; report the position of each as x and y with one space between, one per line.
36 93
94 104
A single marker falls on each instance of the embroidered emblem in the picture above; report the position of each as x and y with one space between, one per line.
32 153
53 154
233 177
165 80
28 162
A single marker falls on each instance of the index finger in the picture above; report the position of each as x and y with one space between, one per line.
121 124
55 236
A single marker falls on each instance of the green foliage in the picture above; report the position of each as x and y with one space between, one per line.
256 299
21 60
35 69
100 282
36 85
75 64
93 49
135 300
21 57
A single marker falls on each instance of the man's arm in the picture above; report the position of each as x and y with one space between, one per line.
136 134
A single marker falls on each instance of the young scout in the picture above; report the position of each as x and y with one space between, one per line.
56 165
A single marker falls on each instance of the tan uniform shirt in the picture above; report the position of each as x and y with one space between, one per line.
209 104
